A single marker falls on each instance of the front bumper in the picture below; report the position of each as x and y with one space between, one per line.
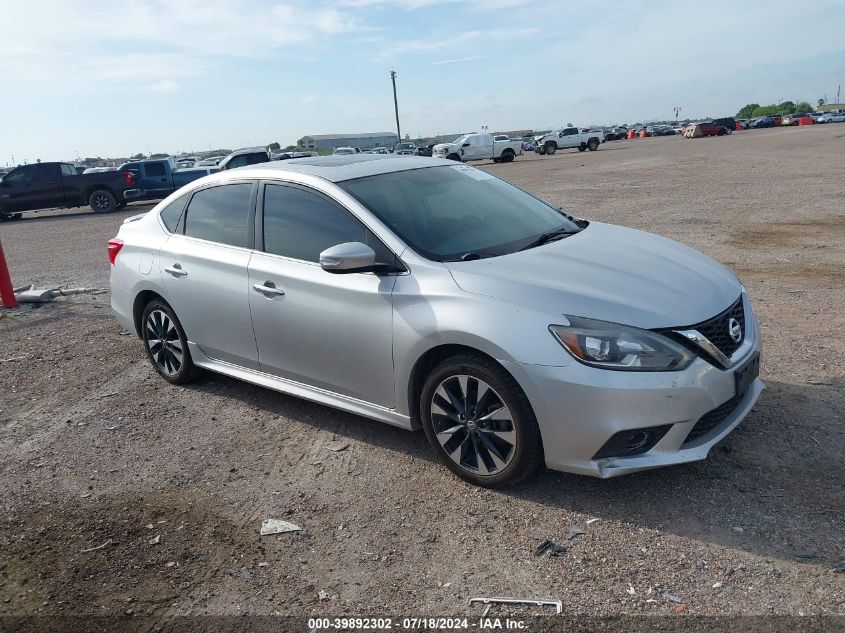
579 408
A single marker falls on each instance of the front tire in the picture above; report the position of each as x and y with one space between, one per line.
551 148
102 201
479 421
166 343
454 157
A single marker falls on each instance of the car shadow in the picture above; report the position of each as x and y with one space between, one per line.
783 461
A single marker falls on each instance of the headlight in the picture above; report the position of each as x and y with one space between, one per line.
613 346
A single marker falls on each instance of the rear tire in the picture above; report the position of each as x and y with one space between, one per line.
593 144
166 344
484 429
582 148
102 201
508 156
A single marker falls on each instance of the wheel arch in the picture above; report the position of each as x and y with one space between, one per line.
139 303
91 189
427 362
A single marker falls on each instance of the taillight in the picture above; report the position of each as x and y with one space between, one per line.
115 245
129 177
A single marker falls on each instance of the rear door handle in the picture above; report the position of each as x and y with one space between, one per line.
176 270
268 288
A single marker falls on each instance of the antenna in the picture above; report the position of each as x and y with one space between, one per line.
395 103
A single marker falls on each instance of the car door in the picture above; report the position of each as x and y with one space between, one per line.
155 179
20 188
204 270
570 137
481 146
331 331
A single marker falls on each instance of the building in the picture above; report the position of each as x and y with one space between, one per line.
364 141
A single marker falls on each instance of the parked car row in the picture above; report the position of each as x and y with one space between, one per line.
54 185
57 185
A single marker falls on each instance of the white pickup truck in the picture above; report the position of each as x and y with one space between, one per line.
478 147
569 137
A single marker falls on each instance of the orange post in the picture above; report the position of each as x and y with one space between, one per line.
631 134
7 294
643 134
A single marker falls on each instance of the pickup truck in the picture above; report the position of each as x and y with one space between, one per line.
42 186
569 137
158 178
244 157
478 147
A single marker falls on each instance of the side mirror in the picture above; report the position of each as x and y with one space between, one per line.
349 257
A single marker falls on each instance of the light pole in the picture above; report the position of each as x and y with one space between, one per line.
677 110
395 103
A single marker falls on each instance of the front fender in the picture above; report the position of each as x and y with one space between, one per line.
431 311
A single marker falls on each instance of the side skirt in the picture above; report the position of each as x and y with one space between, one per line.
300 390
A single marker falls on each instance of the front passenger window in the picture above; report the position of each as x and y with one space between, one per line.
302 224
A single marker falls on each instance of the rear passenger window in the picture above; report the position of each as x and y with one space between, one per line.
154 169
172 212
220 214
301 224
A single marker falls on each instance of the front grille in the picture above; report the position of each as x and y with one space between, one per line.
716 329
713 418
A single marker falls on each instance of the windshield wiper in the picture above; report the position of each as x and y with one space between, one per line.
549 236
470 256
466 257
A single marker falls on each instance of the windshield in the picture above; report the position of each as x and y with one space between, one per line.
445 213
460 140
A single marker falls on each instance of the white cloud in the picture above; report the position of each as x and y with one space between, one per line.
168 85
54 39
457 60
308 99
468 38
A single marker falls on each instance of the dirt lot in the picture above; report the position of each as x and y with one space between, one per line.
122 494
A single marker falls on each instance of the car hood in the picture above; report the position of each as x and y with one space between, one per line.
443 145
609 273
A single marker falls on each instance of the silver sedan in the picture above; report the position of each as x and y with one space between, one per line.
421 293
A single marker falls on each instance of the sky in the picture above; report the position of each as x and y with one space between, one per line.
105 78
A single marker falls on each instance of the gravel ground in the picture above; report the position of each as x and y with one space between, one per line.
123 495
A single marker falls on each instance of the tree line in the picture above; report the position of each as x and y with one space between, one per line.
754 110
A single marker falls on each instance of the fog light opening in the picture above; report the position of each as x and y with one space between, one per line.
632 442
637 439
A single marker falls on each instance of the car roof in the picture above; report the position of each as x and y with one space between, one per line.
344 167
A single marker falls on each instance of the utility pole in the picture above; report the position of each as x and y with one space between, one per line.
395 103
677 110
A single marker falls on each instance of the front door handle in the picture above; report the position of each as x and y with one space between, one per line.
176 270
268 288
